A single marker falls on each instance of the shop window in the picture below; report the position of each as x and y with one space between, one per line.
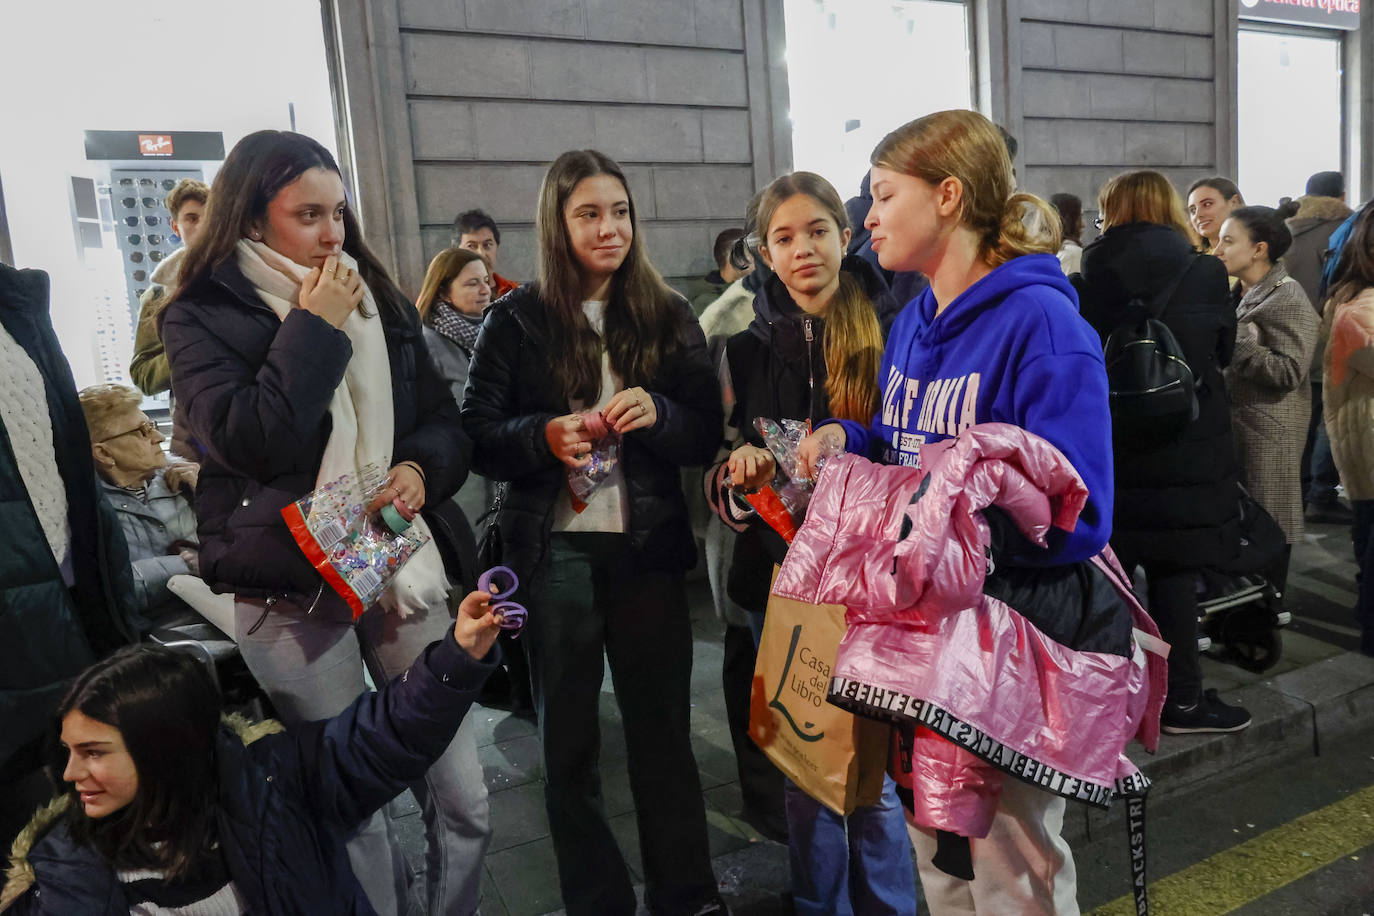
1289 112
856 69
154 71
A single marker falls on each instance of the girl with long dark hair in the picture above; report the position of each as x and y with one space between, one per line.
599 331
810 354
172 808
299 360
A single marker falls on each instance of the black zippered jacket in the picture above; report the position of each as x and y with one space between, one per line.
510 398
777 370
256 391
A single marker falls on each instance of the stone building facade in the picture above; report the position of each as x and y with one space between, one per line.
449 104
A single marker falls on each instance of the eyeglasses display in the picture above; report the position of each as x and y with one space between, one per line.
137 196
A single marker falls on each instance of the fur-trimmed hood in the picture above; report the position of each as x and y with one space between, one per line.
1313 207
19 877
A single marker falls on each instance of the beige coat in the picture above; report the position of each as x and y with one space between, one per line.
1276 333
1348 391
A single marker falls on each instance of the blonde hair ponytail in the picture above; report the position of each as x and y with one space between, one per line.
1028 226
853 352
965 145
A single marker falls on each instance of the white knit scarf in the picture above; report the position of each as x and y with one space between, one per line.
361 409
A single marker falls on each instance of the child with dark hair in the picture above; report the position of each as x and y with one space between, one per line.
172 808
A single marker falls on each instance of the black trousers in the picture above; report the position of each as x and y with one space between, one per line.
760 781
1171 600
596 602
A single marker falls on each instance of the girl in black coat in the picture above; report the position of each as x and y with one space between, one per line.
600 332
1176 497
811 353
297 360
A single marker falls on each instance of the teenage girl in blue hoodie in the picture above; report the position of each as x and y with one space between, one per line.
995 338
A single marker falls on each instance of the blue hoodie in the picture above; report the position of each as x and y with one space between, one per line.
1011 349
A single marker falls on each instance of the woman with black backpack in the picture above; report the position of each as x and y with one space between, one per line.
1176 506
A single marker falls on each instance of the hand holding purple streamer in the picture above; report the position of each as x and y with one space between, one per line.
501 582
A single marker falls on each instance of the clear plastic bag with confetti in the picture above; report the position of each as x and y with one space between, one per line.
605 454
358 553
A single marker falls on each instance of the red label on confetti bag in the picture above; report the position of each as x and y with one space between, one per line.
358 553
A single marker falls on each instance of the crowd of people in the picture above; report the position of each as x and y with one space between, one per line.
938 300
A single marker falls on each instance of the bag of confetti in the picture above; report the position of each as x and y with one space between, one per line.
605 454
783 503
357 553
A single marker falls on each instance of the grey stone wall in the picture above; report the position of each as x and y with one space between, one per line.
480 95
1109 85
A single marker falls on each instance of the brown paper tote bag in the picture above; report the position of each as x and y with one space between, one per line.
835 757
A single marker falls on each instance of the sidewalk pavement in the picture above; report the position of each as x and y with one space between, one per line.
1317 692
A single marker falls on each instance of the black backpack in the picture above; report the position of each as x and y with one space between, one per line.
1153 390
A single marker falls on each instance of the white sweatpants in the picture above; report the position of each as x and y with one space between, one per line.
1022 866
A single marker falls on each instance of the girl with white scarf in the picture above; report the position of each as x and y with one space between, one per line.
299 360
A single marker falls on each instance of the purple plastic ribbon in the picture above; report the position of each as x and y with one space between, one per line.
513 615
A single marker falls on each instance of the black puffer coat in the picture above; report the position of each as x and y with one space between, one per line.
257 391
778 372
1175 501
511 396
49 632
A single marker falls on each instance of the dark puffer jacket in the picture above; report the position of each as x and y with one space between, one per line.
1175 501
256 391
49 632
511 396
287 802
777 372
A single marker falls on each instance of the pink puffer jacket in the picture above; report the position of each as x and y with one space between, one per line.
1040 674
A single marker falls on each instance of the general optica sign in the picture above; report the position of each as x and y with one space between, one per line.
1327 14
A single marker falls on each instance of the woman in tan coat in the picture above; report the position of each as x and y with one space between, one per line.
1348 401
1276 333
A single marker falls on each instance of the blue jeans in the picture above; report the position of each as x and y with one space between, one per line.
855 866
311 665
